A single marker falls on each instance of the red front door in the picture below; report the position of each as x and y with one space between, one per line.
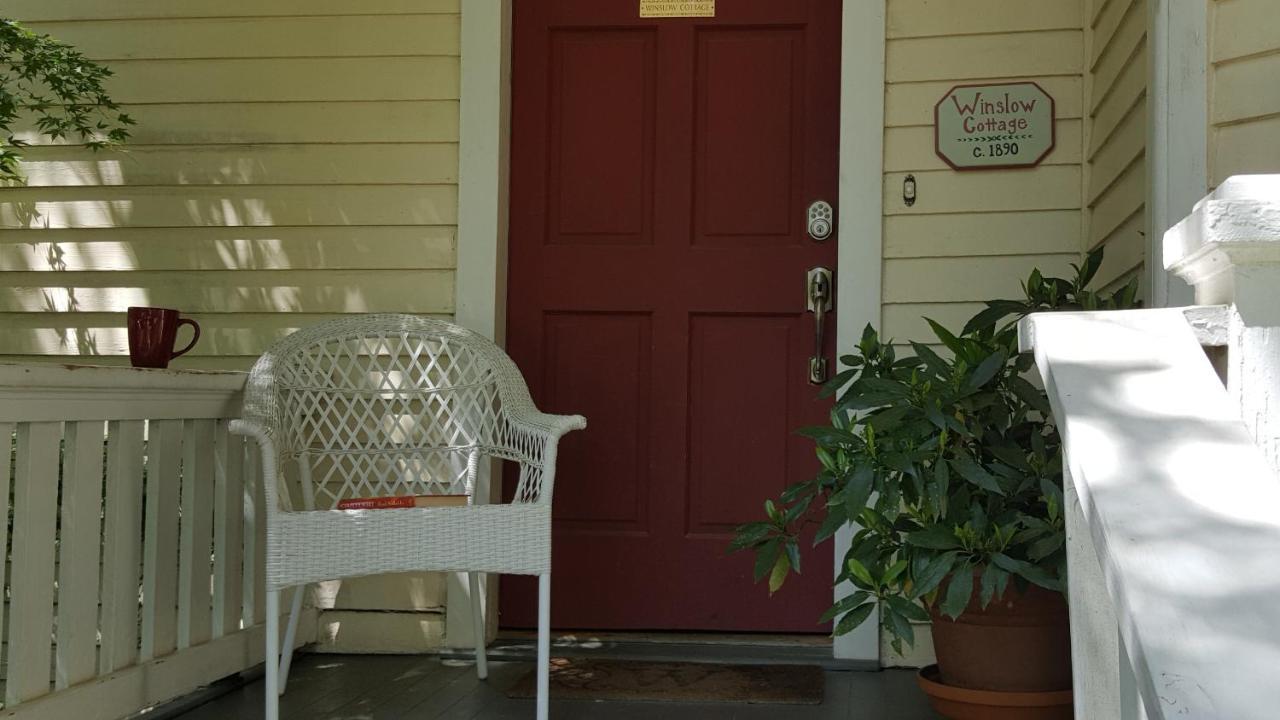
661 172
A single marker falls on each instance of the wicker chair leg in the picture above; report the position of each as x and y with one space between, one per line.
272 711
544 644
291 632
478 625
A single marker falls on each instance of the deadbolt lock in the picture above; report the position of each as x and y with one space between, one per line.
821 220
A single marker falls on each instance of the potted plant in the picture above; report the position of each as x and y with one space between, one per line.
950 464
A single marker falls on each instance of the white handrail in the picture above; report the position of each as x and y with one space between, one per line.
123 482
1182 512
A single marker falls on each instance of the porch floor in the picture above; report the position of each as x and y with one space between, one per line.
389 687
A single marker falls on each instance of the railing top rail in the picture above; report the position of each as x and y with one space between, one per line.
50 392
1182 507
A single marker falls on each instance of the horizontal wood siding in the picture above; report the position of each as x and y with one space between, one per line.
1115 134
973 236
293 161
1244 94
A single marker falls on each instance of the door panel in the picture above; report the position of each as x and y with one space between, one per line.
660 174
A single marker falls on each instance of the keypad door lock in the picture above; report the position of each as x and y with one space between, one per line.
821 220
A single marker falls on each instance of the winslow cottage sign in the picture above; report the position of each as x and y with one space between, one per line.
982 127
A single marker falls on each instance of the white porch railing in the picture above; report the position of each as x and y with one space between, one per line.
1173 516
134 536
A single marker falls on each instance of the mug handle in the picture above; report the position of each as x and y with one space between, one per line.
195 327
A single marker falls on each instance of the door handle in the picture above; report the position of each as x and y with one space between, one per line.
818 292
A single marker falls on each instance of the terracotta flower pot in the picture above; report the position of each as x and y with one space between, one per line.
965 704
1021 642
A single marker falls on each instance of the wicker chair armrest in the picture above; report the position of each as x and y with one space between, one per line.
253 428
540 423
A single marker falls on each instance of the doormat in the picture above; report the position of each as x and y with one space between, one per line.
629 680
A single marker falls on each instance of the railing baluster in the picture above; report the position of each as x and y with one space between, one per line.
194 574
228 533
160 551
6 447
121 558
35 519
250 589
79 553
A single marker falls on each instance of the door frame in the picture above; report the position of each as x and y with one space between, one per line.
481 273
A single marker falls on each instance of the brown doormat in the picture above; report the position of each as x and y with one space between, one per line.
588 679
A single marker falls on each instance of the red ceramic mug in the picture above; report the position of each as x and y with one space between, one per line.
152 332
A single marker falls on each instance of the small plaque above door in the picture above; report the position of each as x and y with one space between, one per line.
677 8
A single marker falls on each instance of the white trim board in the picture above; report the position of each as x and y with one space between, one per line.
1177 132
482 201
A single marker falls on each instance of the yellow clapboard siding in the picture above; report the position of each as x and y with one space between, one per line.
1054 187
1249 147
1125 197
45 10
1126 47
219 248
1126 250
1056 52
912 148
1243 27
1124 146
344 291
976 234
926 18
76 333
912 103
302 122
904 323
382 164
108 207
1095 10
259 37
1246 89
1105 26
931 280
1128 90
285 79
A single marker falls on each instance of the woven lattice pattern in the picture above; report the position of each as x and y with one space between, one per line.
381 405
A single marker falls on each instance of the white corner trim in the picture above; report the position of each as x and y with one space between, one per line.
483 138
1177 131
484 135
860 224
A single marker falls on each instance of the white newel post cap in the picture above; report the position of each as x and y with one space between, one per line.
1228 248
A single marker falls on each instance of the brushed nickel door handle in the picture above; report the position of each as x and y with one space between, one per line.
819 302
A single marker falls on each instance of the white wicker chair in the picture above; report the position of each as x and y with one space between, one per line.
382 405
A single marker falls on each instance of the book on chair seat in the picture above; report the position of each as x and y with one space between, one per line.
402 501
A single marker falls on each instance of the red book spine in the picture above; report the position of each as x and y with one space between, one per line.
379 503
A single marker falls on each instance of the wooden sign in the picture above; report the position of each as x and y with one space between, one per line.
677 8
985 127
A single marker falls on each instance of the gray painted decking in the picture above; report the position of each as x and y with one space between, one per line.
390 687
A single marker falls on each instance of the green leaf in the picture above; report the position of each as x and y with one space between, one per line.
995 311
971 471
858 489
953 343
766 556
898 625
1091 265
793 555
934 537
836 518
894 572
986 370
1026 570
1046 546
749 535
861 574
990 576
907 609
779 574
933 573
959 591
854 618
844 605
1030 394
